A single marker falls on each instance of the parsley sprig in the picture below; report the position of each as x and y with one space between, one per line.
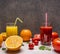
3 48
44 48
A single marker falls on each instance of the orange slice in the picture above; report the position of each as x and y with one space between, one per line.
13 43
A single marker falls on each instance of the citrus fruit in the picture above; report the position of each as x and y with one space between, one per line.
4 35
26 34
13 43
1 40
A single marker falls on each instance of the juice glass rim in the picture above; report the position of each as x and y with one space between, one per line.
10 24
45 26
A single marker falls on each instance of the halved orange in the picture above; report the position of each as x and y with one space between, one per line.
13 43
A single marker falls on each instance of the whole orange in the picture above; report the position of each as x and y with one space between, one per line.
4 35
1 40
26 34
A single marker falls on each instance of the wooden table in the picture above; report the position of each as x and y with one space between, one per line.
24 50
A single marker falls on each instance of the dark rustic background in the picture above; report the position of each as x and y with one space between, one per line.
32 12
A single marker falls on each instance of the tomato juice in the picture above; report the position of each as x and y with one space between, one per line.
46 34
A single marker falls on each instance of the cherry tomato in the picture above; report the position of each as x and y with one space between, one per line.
37 36
33 39
36 42
31 46
56 44
54 35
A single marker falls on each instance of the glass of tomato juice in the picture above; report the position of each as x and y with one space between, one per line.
46 34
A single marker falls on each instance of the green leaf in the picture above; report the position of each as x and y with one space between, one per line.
22 44
49 49
42 48
3 48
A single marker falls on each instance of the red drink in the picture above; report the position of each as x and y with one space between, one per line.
46 34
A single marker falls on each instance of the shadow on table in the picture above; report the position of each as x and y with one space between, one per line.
13 52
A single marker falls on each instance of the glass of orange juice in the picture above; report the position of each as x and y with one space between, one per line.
11 29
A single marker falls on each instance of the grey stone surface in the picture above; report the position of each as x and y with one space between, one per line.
32 12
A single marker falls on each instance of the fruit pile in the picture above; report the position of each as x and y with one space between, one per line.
12 43
15 42
34 42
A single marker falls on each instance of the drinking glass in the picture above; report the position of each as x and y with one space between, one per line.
11 29
46 34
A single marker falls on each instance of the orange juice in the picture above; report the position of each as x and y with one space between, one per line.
11 30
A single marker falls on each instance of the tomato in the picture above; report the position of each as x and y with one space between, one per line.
31 46
37 36
54 35
33 39
56 44
36 42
